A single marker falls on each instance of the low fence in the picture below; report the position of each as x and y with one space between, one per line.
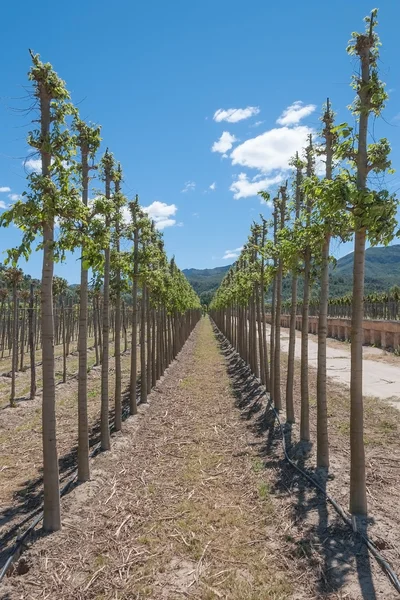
385 334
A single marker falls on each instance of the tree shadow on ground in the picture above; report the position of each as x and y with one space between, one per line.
29 497
317 536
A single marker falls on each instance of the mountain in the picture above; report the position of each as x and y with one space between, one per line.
382 271
206 281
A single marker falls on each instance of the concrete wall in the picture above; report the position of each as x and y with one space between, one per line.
385 334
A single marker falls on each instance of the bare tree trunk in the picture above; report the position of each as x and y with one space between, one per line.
31 337
105 427
143 374
21 364
83 426
290 418
64 340
358 489
14 363
281 206
133 377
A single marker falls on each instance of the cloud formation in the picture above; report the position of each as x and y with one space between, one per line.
224 143
271 150
161 214
213 186
295 112
14 197
3 205
188 187
33 164
244 187
233 115
232 253
5 189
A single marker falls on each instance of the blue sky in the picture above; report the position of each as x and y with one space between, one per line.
161 78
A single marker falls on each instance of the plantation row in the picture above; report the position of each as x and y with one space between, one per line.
22 331
385 306
340 205
161 300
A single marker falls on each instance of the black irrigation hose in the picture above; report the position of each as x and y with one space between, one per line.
15 551
383 563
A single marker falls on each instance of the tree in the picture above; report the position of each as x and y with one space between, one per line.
88 141
107 165
374 216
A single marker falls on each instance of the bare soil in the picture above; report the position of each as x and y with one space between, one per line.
21 488
196 501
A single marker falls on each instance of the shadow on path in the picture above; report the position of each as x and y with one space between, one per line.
316 535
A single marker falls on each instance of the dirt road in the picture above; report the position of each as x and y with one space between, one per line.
380 379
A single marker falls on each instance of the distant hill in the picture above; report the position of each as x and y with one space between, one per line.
206 281
382 271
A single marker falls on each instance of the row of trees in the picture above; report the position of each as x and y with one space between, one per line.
57 215
379 305
339 205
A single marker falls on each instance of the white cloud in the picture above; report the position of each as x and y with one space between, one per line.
213 186
232 253
5 189
245 188
271 150
188 187
295 112
257 124
224 143
14 197
180 224
233 115
3 205
161 214
33 164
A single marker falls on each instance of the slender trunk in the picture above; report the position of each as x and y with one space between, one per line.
105 427
358 490
143 375
133 377
322 410
21 364
305 408
31 337
14 362
83 427
290 418
64 340
117 330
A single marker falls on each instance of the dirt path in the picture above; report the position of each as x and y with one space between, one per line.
380 379
183 507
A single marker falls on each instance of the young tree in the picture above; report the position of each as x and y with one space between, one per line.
88 141
107 165
374 216
50 196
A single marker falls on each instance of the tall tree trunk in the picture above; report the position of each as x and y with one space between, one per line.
117 329
21 364
358 490
280 208
322 410
83 426
14 362
143 374
290 417
31 337
64 339
105 428
133 374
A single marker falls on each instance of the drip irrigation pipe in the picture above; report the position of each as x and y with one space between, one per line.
383 563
